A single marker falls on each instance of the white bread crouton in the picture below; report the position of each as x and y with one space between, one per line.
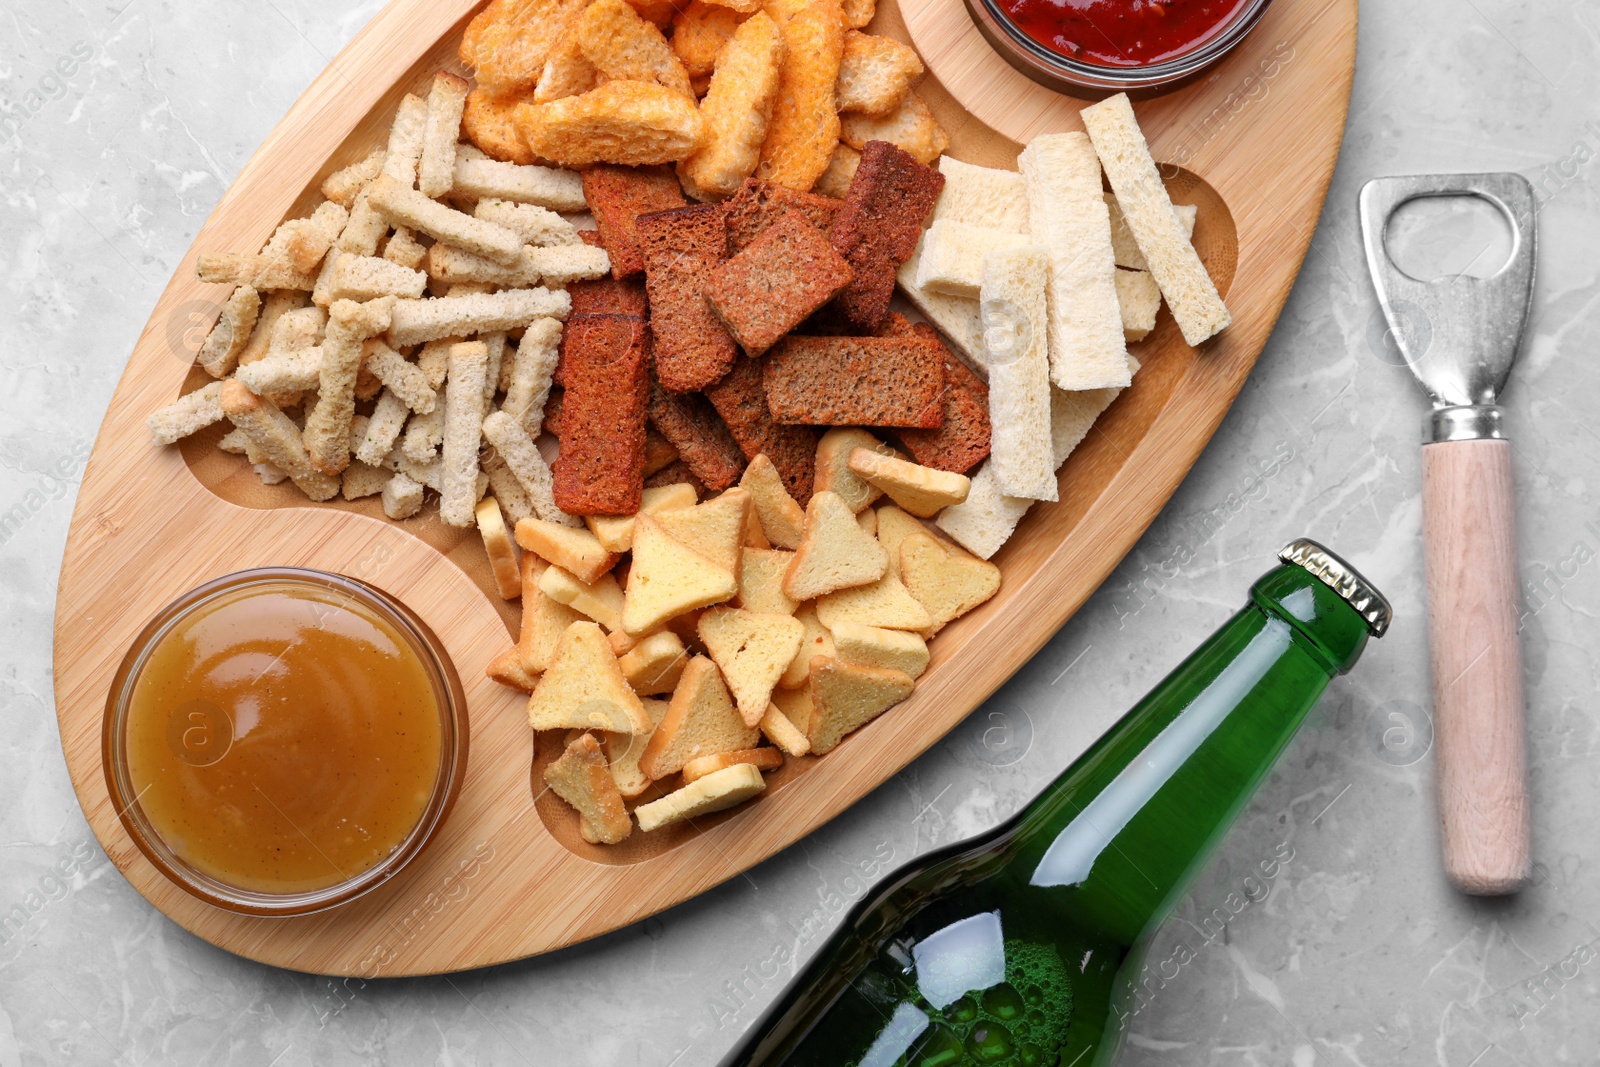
404 206
1016 328
405 141
430 319
1068 216
600 600
220 350
533 224
1138 299
816 641
953 254
447 99
761 572
277 439
1188 289
546 187
463 431
1123 244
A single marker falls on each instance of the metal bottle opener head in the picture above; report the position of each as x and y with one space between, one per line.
1459 335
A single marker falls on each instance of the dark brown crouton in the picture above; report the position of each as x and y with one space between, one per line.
741 400
681 250
878 227
855 381
600 470
617 196
776 282
962 441
698 433
673 473
759 204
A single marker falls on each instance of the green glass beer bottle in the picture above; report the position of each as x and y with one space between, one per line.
1024 946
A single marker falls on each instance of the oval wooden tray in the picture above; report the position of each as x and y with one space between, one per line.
503 880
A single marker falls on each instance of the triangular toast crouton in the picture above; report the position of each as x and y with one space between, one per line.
816 642
874 646
615 532
885 603
655 664
668 578
948 581
701 719
543 620
761 572
894 526
796 703
715 792
584 688
714 529
581 777
846 697
624 750
923 491
781 731
833 465
752 649
507 669
762 759
835 553
571 547
782 520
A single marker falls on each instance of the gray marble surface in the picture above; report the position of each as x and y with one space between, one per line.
121 124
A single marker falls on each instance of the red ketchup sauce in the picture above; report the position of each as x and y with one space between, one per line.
1121 33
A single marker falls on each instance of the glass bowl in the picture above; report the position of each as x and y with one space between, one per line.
419 640
1095 81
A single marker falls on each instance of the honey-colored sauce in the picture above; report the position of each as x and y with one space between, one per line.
283 738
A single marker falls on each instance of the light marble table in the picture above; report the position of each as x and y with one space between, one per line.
1360 953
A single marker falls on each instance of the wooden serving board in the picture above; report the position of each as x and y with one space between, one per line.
508 877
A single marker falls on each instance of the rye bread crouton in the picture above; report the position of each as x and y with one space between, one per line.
617 196
962 441
607 296
855 381
702 439
741 400
681 249
600 470
878 227
759 204
776 282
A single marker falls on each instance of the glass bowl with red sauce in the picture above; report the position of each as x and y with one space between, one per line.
1093 48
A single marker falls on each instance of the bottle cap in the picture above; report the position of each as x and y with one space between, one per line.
1343 579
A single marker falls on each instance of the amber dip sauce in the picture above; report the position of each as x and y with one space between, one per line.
283 738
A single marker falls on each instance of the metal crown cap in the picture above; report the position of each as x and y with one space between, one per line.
1343 579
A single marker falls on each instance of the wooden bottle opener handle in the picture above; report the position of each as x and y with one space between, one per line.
1470 543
